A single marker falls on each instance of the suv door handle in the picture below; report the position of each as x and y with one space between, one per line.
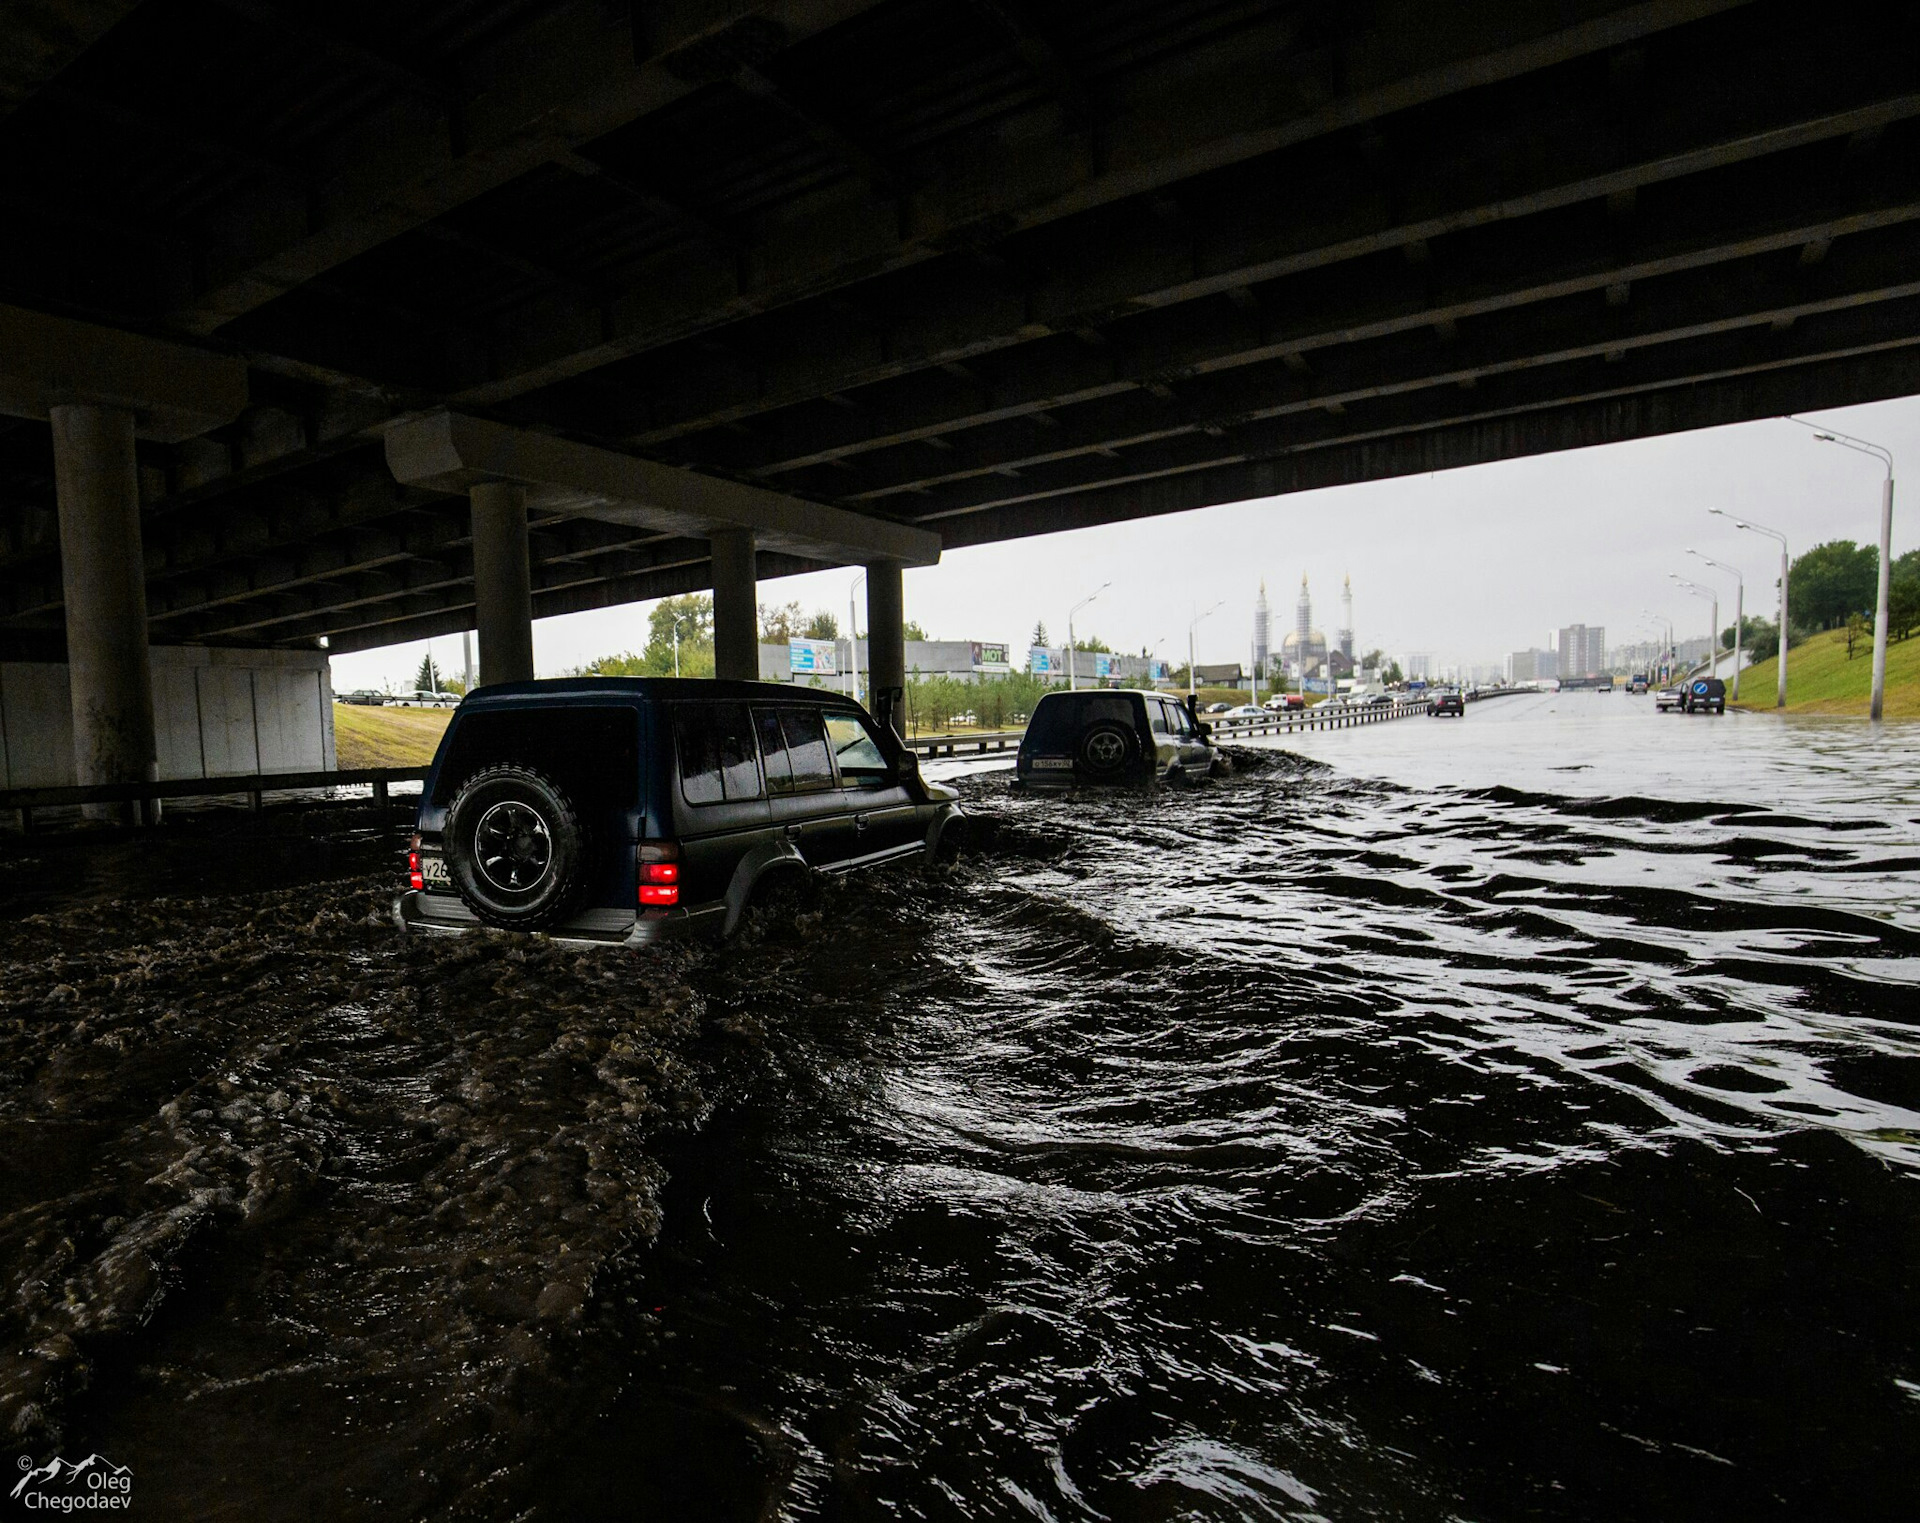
792 832
859 822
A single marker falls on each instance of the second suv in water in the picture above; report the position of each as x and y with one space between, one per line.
1704 695
1110 735
611 809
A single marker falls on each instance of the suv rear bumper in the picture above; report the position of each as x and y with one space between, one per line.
420 913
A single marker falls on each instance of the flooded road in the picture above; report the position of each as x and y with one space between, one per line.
1502 1118
1509 1118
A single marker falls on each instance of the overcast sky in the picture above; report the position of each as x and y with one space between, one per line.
1467 564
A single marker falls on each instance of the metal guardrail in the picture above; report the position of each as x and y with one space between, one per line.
1320 717
24 801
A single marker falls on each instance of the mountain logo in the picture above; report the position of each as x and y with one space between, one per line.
63 1485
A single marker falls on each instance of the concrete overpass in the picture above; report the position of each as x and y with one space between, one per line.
763 285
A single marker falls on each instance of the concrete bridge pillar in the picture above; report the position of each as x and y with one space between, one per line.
103 574
736 613
502 582
887 640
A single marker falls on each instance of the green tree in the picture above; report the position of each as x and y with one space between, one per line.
1392 673
823 626
1903 596
1093 643
1762 639
428 677
780 623
1856 632
1039 635
911 630
1834 580
693 616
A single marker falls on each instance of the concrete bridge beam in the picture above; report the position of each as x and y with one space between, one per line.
887 641
102 565
736 613
502 582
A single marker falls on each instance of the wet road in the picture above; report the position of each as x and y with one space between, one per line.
1502 1118
1516 1117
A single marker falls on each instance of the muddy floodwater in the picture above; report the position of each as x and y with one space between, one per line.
1510 1117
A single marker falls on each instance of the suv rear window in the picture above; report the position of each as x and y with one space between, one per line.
1060 719
717 760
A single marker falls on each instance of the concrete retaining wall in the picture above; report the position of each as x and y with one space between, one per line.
217 713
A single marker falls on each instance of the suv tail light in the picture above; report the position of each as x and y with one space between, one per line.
660 874
414 880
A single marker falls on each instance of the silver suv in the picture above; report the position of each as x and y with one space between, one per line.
1113 736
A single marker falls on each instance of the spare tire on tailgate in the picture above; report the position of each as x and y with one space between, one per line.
1109 750
515 849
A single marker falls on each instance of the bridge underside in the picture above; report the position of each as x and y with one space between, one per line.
988 268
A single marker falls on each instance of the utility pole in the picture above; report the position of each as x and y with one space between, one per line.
1071 661
1713 639
853 634
1739 612
1885 456
1192 674
1780 695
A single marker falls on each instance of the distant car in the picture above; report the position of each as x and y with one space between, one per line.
1704 695
422 698
1636 683
364 697
1112 736
1448 702
1216 708
1669 698
1245 711
1380 698
1280 703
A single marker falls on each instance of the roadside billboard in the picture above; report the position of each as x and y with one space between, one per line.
991 659
1039 662
813 658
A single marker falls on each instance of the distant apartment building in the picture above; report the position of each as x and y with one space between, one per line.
1583 651
1641 656
1532 665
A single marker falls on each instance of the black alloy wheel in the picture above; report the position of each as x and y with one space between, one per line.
515 848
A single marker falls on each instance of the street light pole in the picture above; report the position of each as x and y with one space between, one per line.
1780 695
1739 613
1072 681
1713 640
1192 683
853 633
1885 456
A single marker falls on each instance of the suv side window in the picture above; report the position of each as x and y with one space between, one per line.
794 745
717 762
857 753
1161 720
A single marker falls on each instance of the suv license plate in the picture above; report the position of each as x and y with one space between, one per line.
1053 763
433 872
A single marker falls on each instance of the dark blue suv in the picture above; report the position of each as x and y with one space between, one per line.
623 809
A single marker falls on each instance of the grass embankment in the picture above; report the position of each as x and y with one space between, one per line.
382 737
1821 680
